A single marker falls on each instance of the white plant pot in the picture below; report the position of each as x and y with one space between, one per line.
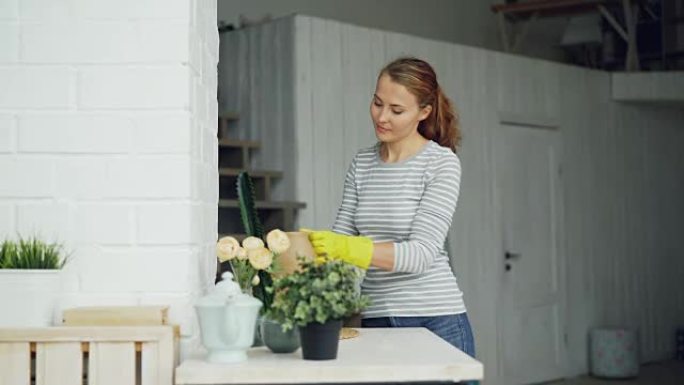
27 297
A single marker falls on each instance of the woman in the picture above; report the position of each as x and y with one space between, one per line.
399 198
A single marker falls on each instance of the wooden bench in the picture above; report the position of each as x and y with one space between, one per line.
66 355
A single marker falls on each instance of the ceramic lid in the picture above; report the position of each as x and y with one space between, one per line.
227 286
227 291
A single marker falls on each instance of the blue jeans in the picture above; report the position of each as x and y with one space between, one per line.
454 329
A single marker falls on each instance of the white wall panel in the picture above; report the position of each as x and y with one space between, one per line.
527 87
621 164
622 172
328 123
256 80
363 52
652 87
303 120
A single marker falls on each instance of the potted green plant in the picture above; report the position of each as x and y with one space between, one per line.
315 299
29 281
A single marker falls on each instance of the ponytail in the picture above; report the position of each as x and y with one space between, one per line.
442 125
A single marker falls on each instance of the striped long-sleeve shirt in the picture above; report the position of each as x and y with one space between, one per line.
409 203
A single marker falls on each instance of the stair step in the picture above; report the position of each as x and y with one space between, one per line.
234 153
272 215
229 115
226 171
226 120
272 205
236 143
262 179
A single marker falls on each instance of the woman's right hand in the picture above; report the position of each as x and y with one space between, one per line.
356 250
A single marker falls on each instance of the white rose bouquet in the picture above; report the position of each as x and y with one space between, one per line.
253 256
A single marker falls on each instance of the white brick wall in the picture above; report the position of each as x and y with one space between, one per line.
177 263
154 87
9 9
104 10
74 133
9 41
35 88
106 223
16 183
108 145
6 218
43 218
7 134
162 133
161 224
105 42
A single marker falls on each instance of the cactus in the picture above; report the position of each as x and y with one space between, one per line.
248 213
252 227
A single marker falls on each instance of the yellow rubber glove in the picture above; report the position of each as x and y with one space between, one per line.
355 250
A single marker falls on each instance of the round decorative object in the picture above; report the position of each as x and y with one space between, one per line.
614 353
347 333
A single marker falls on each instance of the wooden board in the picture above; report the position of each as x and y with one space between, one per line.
116 316
59 363
59 353
111 363
15 364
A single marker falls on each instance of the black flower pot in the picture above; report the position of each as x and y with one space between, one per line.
320 341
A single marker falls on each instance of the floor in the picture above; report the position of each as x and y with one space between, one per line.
661 373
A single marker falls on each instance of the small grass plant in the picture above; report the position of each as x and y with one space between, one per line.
31 253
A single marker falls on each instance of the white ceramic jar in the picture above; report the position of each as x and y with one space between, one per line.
227 319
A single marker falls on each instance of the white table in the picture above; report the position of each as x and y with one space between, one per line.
376 355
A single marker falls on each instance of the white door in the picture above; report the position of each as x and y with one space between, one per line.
527 186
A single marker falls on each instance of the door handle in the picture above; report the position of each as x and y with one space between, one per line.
509 256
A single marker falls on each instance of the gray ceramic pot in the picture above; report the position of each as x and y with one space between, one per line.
277 340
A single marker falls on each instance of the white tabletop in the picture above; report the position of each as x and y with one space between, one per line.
376 355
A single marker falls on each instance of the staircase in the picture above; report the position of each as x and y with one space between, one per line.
234 157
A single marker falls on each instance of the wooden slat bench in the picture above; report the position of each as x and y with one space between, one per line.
66 355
